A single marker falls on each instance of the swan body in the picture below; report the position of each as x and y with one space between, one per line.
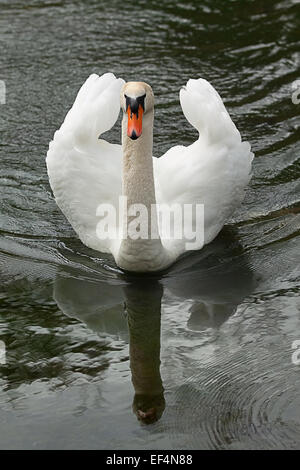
85 171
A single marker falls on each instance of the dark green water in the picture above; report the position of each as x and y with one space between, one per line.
206 346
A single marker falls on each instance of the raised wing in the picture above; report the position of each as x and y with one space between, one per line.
213 171
84 170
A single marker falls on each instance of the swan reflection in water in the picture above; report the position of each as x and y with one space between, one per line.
133 306
133 303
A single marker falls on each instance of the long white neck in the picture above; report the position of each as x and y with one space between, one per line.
138 179
141 254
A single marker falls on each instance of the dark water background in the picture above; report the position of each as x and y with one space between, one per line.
221 321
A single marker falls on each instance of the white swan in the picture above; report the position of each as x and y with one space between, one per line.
85 171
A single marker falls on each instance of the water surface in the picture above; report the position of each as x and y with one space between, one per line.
198 357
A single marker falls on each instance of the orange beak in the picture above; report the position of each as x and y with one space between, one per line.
135 121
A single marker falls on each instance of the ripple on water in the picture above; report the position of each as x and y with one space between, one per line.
244 400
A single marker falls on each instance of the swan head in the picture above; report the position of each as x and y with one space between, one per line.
137 100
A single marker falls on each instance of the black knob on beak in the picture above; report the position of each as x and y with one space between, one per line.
134 103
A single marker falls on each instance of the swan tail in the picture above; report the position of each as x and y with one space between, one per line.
204 109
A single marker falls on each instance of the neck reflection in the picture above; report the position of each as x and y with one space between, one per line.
143 306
